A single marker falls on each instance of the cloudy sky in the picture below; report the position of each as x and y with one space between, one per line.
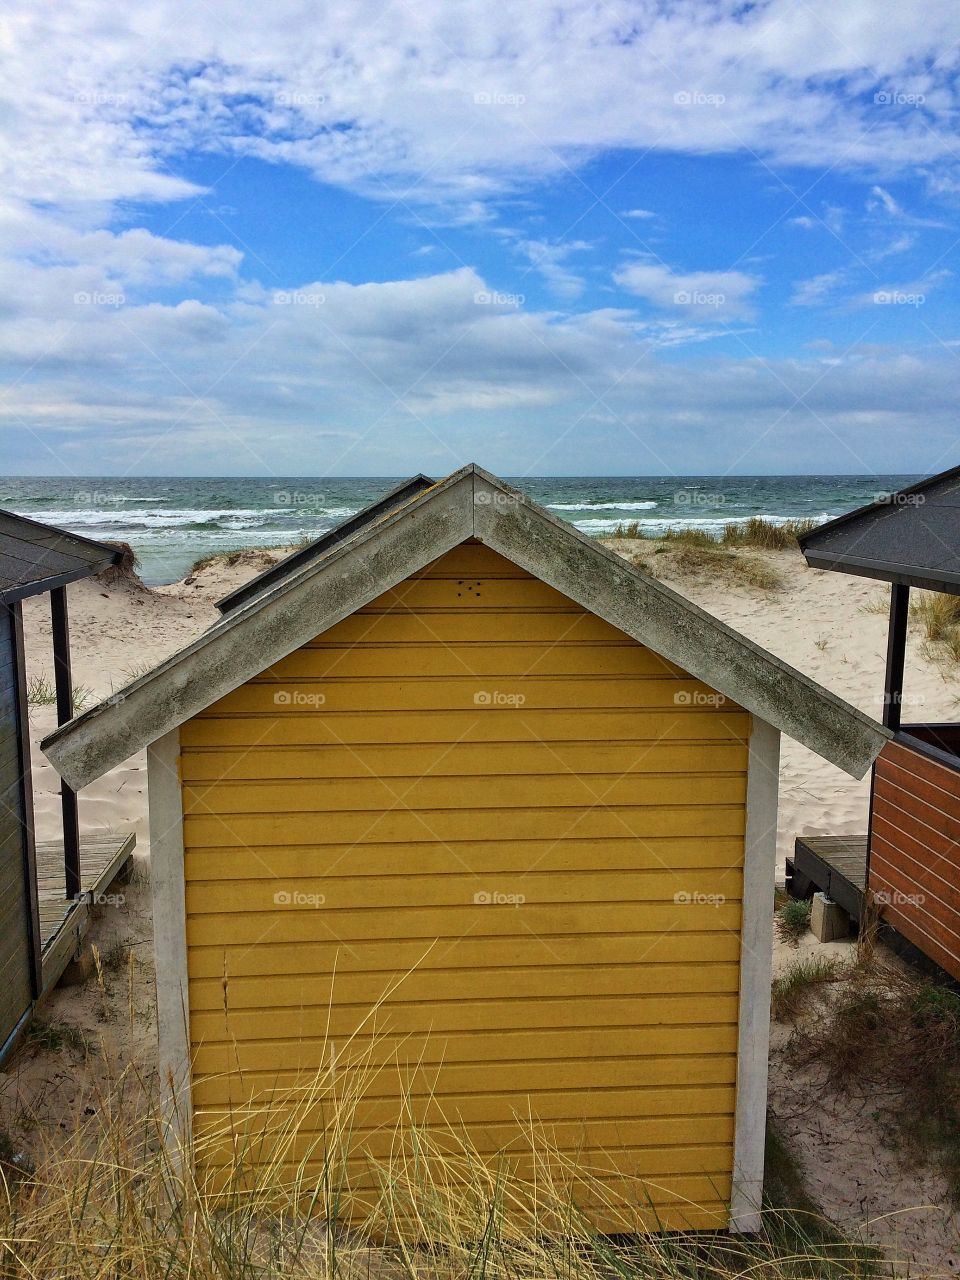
370 238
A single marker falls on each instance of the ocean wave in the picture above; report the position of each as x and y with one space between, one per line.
239 518
602 506
709 524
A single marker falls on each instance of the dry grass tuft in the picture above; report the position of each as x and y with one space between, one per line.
895 1036
792 920
125 570
792 989
736 570
757 532
939 616
275 1202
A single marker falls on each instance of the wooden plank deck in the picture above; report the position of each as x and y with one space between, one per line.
835 864
63 923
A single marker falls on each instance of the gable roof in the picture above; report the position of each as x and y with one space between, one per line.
396 497
911 537
37 557
470 503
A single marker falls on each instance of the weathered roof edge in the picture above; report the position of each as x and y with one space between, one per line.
868 566
410 488
469 503
680 630
39 586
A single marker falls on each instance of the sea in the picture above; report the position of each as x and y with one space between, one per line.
171 521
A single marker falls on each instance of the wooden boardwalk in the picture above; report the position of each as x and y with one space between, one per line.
63 922
835 864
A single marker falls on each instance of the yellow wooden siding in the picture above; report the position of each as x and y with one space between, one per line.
484 851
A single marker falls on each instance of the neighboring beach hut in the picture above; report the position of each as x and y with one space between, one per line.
910 856
42 910
471 763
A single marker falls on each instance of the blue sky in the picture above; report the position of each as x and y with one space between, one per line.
375 238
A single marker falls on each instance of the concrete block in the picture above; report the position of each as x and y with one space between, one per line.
828 920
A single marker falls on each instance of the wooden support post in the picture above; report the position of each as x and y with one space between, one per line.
896 648
26 800
64 683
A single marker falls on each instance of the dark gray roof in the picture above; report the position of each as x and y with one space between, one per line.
321 546
911 537
37 557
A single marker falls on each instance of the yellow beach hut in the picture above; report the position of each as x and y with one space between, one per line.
459 765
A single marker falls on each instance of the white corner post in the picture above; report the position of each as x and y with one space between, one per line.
756 959
170 942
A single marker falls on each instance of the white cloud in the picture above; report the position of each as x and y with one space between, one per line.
705 294
550 261
817 290
457 102
384 378
881 201
637 213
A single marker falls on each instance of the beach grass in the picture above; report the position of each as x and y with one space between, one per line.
689 556
113 1200
892 1034
792 988
756 532
938 615
42 692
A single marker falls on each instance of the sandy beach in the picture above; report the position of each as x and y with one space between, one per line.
831 626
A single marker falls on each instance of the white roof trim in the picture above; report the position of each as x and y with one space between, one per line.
469 503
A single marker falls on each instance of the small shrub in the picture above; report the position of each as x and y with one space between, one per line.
757 532
691 537
53 1036
793 920
40 692
939 616
937 613
631 530
116 957
880 605
693 556
791 989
